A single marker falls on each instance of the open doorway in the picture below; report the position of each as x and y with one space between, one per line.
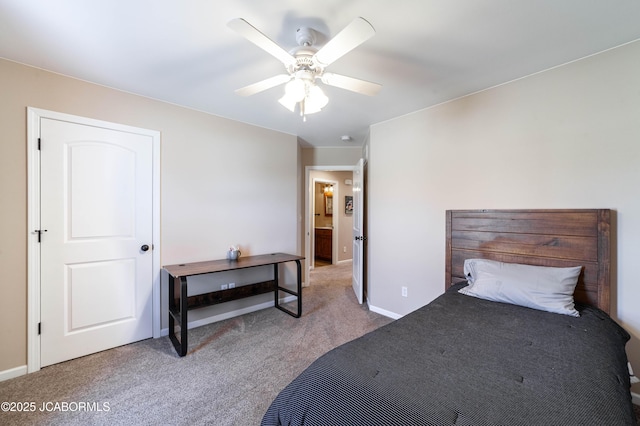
323 223
333 215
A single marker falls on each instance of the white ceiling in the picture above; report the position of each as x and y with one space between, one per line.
425 52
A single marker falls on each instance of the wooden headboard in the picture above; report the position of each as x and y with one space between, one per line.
559 238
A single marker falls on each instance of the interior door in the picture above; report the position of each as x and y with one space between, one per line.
358 237
96 239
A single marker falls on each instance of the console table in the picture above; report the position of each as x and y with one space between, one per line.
179 303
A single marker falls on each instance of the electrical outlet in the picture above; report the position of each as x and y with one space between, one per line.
224 286
404 292
232 285
344 249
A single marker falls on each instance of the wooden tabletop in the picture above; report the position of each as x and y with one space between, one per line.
209 266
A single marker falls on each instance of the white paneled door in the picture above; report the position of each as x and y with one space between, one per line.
96 239
358 236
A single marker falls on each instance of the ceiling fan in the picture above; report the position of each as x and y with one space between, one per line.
306 64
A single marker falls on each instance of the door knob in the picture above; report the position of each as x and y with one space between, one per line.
144 247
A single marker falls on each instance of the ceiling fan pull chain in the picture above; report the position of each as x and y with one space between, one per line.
304 117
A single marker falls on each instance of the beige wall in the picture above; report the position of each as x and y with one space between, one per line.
330 156
565 138
222 183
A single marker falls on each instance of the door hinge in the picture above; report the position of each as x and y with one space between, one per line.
39 142
39 232
39 328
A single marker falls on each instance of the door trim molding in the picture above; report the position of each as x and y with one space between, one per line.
33 221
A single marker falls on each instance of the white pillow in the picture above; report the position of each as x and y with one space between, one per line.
538 287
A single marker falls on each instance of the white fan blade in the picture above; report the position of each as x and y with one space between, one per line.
353 35
263 85
254 35
355 85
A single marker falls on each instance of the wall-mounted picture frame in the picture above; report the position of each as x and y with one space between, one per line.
328 205
348 204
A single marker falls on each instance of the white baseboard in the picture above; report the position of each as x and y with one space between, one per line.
232 314
384 312
13 373
635 398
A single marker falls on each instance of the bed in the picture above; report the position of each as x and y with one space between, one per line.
465 360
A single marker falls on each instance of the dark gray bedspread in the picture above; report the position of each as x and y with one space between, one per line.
466 361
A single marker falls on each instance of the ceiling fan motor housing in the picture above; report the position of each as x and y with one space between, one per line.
305 74
305 61
305 36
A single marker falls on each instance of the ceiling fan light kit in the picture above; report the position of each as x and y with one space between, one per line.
295 90
306 64
302 91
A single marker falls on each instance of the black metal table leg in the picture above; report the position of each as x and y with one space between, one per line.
276 293
183 316
297 293
172 310
299 267
178 316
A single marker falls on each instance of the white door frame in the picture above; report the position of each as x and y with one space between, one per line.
33 222
308 213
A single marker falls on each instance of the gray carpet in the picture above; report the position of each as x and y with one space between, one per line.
231 374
